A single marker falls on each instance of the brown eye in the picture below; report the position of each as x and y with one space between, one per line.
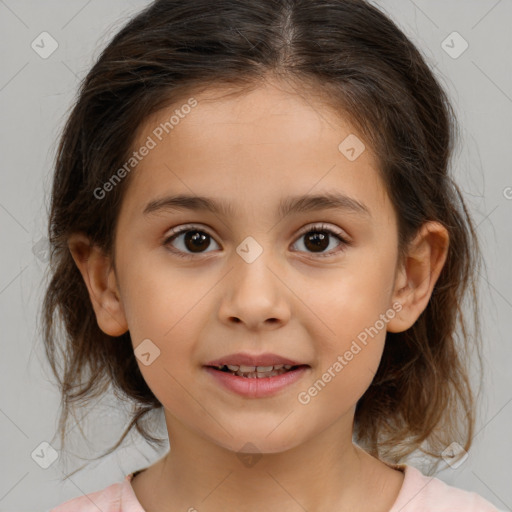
317 239
189 240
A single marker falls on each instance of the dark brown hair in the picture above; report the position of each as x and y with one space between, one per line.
357 60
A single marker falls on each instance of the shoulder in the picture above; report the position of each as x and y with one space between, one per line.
420 493
118 497
106 500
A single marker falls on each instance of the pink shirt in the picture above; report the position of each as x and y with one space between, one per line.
418 493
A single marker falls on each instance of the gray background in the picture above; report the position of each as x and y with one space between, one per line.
35 96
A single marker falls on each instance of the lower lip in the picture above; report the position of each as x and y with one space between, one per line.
256 387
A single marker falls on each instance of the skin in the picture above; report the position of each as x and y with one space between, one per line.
253 150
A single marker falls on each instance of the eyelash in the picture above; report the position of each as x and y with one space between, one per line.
312 229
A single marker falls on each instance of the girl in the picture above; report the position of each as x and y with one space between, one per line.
254 231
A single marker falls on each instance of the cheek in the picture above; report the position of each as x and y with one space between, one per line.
344 303
346 365
157 295
349 329
164 305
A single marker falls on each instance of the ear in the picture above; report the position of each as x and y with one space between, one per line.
417 276
100 279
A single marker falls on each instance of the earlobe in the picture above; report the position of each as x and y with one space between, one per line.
417 277
100 279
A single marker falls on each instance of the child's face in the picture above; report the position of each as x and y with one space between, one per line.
251 152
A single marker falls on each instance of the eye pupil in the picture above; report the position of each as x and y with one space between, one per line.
318 239
196 240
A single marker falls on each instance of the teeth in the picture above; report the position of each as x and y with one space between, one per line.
249 369
256 371
264 368
260 375
246 369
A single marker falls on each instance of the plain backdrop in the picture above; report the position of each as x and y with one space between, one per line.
36 93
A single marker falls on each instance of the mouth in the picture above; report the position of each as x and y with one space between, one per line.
257 372
252 381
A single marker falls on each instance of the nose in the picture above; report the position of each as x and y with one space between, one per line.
256 295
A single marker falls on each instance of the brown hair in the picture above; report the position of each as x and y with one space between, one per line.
356 59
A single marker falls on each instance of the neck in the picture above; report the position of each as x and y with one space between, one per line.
328 471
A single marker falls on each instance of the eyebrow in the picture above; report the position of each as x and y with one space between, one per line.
287 206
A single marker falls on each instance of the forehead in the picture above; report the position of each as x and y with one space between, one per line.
252 149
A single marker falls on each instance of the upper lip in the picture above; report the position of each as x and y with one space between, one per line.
242 358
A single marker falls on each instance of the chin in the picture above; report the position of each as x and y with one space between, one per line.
251 441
